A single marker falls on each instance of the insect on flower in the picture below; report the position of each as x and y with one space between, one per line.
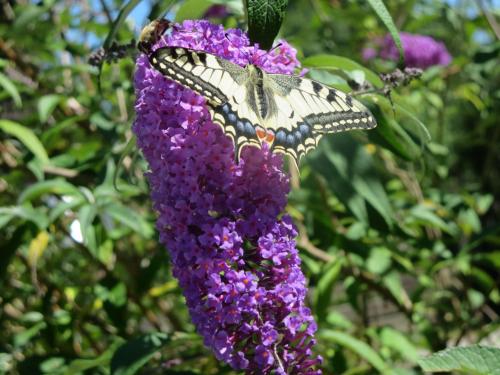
287 113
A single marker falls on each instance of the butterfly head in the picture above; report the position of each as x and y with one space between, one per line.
255 74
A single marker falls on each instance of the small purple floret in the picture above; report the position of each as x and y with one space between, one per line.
233 251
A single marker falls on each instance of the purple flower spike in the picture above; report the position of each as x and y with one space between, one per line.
420 51
232 252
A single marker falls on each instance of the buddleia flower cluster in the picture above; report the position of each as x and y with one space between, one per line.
232 248
421 51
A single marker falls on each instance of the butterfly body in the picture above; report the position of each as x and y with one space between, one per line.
288 113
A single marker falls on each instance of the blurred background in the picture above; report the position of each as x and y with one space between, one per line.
399 229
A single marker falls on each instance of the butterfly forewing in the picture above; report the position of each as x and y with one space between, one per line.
198 71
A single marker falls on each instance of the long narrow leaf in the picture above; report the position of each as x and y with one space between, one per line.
358 347
11 89
331 62
384 15
27 137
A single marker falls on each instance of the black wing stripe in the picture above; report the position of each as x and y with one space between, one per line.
340 121
181 74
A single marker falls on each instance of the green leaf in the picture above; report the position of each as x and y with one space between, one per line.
425 135
130 218
118 295
27 137
339 185
264 18
115 27
333 62
474 360
379 260
122 15
129 147
389 133
57 186
63 206
349 168
86 215
46 106
80 365
23 337
323 291
53 134
425 215
385 136
393 282
24 212
399 342
52 365
133 355
192 9
101 121
11 89
379 8
358 347
30 14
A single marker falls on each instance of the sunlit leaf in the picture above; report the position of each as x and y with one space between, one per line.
23 337
399 342
357 346
130 218
27 137
332 62
474 360
11 89
381 10
323 292
37 247
46 105
57 186
23 212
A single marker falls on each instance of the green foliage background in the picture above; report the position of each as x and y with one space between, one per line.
399 230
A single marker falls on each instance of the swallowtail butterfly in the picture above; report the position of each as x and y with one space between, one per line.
287 112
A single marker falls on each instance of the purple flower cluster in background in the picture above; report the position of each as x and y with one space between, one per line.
421 51
216 11
232 252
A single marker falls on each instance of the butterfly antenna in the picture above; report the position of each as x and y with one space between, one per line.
247 54
275 47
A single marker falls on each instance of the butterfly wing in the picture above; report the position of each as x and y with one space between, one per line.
308 109
222 83
202 72
299 111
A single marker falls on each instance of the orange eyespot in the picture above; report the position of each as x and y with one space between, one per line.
270 137
261 133
265 135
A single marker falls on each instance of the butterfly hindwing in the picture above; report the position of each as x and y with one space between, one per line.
307 110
